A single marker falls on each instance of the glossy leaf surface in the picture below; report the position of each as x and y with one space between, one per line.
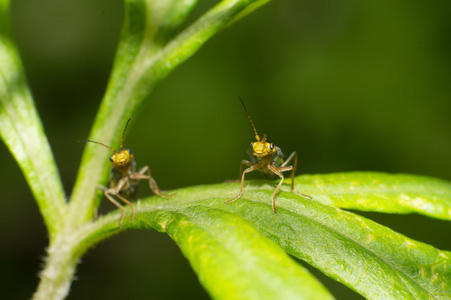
370 258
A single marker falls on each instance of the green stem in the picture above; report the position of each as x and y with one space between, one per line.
22 131
134 78
64 254
59 269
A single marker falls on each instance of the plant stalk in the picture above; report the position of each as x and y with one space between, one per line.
59 268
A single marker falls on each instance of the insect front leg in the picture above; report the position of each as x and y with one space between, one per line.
278 172
96 212
243 162
129 204
115 191
250 169
288 168
247 163
145 174
108 194
293 172
295 165
290 158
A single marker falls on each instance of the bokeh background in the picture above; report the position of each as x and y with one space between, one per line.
350 85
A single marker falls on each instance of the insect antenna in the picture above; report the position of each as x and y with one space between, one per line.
257 137
123 132
97 143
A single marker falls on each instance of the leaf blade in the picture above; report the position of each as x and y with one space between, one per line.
380 192
232 259
22 131
369 258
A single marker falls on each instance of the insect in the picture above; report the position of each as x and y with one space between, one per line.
269 159
124 178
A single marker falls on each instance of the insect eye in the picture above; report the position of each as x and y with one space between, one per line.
111 158
271 145
129 151
252 145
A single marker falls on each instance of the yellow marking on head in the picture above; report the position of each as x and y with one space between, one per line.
121 159
263 148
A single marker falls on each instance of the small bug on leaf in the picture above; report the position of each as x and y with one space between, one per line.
269 159
124 178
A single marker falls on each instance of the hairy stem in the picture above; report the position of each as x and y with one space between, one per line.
59 269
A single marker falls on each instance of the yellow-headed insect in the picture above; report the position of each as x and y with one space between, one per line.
269 159
124 178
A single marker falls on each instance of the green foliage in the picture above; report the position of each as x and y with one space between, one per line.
230 255
369 258
240 250
382 193
21 129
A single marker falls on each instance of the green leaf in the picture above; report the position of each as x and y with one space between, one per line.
380 192
232 259
148 51
22 132
369 258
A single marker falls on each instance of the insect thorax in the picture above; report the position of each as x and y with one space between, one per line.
131 188
278 158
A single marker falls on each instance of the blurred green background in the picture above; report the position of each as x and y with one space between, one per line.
350 85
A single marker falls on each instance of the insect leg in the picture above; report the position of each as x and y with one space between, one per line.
145 174
123 182
303 195
108 194
288 160
96 213
247 163
293 172
250 169
288 168
278 172
243 162
295 165
129 204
